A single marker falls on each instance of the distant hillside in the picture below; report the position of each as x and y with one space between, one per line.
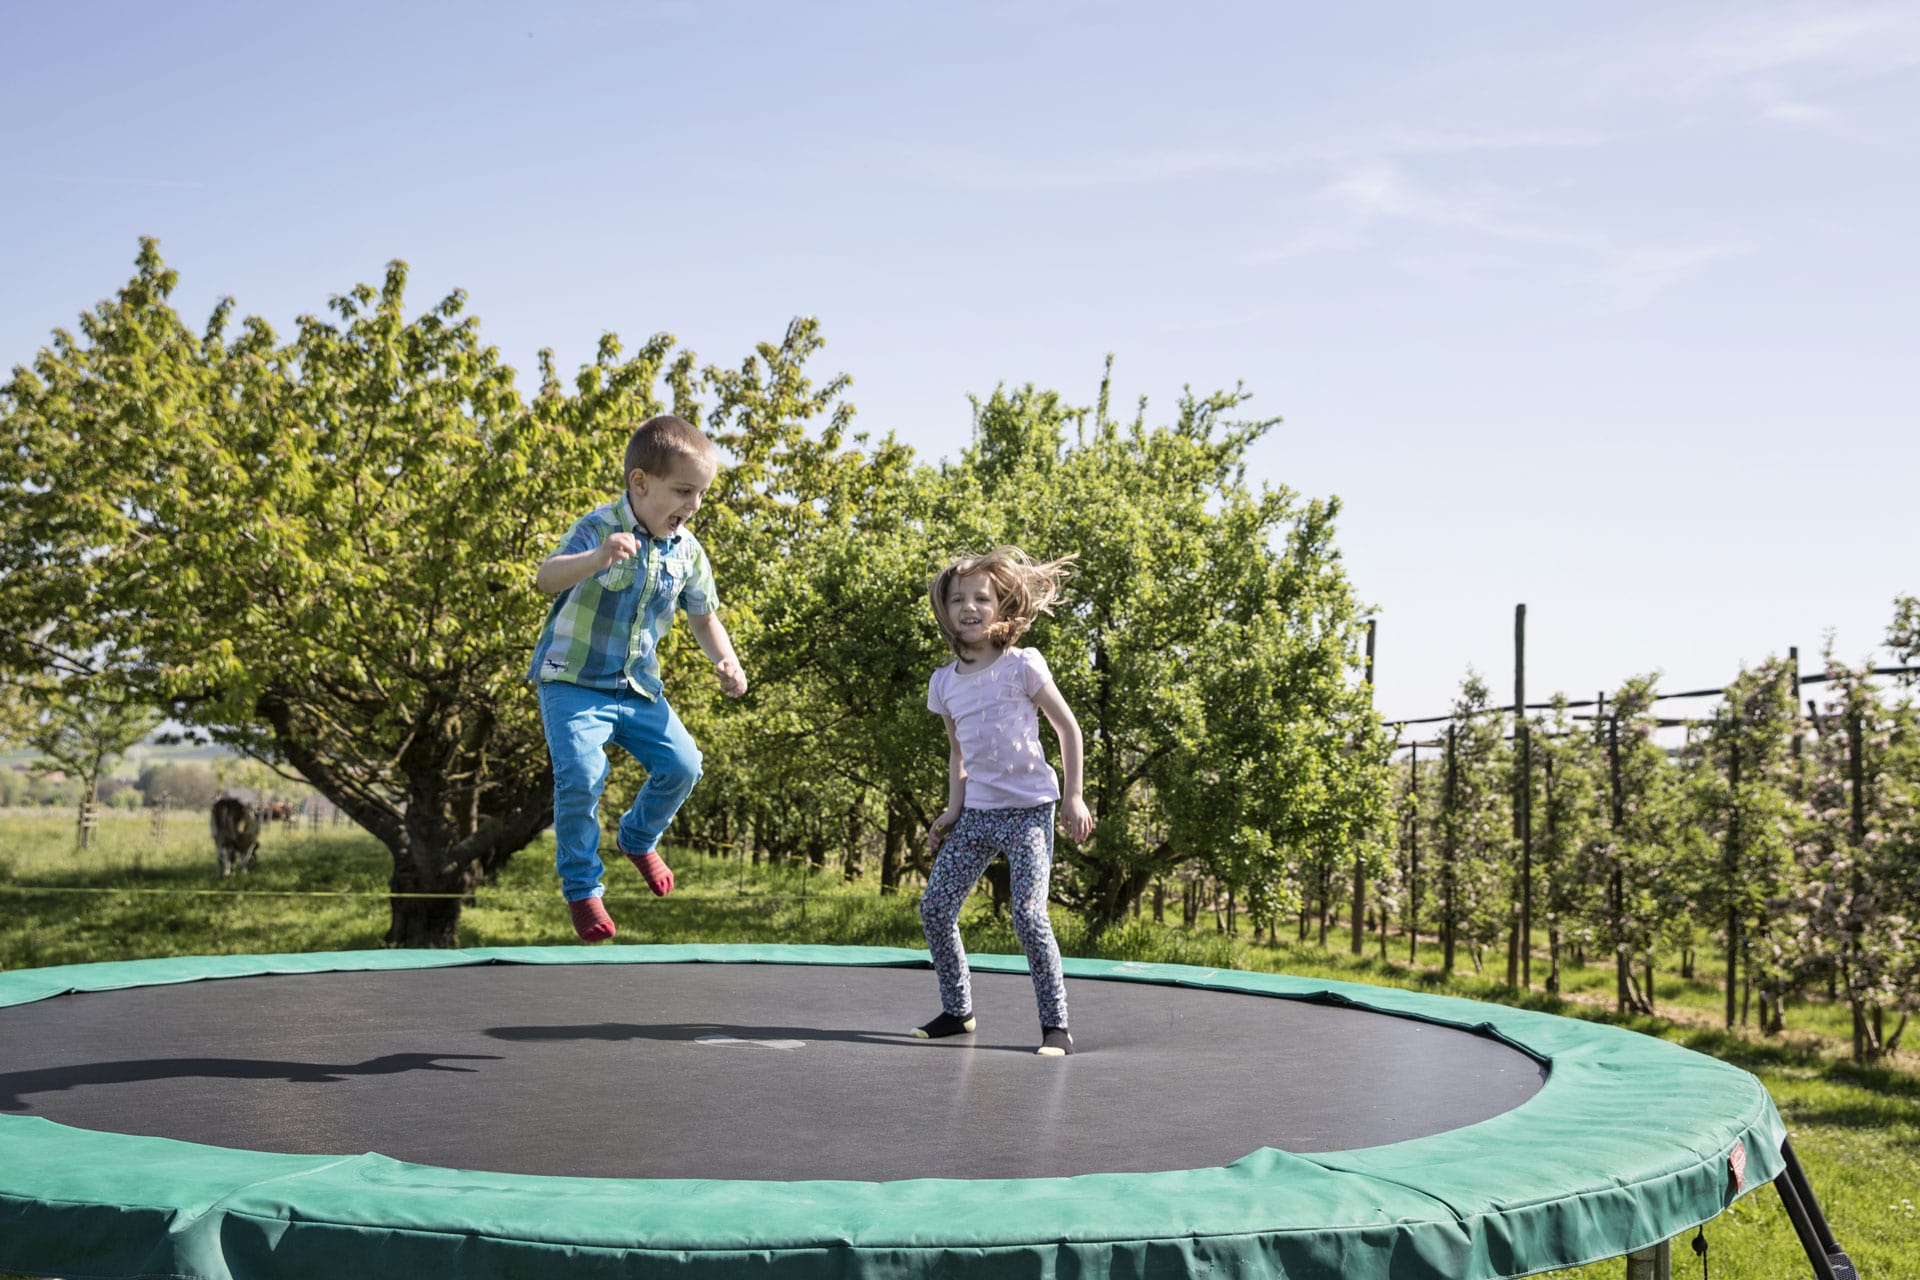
138 756
151 752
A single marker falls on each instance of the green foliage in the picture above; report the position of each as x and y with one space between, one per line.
1567 808
24 788
1742 798
320 549
83 734
72 726
176 785
315 550
1208 645
1633 853
825 554
1794 842
1856 892
1903 634
1474 828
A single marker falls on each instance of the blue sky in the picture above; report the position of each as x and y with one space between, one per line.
1607 308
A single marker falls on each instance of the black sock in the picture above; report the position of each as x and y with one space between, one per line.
1054 1042
945 1025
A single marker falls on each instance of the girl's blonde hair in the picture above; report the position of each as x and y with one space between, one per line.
1026 587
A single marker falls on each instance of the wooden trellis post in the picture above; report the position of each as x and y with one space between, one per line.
1359 865
1520 951
1413 858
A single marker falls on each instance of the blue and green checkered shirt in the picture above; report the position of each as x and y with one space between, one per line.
604 631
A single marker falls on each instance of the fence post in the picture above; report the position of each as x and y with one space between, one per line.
1448 855
1413 864
1359 866
1520 952
1793 660
1856 776
1617 886
1733 867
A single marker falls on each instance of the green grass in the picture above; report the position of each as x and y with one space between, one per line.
138 894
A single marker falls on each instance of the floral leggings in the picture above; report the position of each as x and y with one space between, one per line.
1025 836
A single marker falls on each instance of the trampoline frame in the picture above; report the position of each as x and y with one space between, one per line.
1630 1141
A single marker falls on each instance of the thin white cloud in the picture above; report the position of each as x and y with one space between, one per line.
1440 141
1630 278
1383 190
1620 274
1311 242
1681 67
1866 40
1799 113
970 169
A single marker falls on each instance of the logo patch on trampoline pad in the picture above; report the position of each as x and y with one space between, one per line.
734 1041
1737 1166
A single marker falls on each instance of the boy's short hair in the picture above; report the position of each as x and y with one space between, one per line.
663 441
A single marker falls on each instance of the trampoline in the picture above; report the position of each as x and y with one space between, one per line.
726 1110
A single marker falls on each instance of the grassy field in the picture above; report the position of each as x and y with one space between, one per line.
141 892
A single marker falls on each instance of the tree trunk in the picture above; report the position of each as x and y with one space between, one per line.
1513 948
430 860
1359 901
446 838
420 922
83 823
893 855
999 878
850 867
1115 887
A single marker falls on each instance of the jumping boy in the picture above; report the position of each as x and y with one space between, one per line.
616 581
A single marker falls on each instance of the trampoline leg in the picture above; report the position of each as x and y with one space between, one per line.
1655 1263
1829 1260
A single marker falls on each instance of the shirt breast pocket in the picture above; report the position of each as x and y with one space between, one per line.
618 577
675 572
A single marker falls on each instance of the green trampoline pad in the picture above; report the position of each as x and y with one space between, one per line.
1616 1141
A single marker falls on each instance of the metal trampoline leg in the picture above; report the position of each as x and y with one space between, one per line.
1651 1264
1830 1261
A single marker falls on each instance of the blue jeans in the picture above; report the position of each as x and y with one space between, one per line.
579 723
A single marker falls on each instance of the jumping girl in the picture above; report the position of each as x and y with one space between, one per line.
1001 792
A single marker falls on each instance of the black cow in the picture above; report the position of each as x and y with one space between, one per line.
236 834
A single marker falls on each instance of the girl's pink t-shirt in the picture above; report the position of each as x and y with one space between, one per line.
998 726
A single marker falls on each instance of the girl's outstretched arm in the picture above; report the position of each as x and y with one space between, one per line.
1074 814
956 789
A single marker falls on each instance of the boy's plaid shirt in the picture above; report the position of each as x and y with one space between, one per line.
604 631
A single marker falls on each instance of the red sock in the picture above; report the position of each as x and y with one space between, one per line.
659 875
590 920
